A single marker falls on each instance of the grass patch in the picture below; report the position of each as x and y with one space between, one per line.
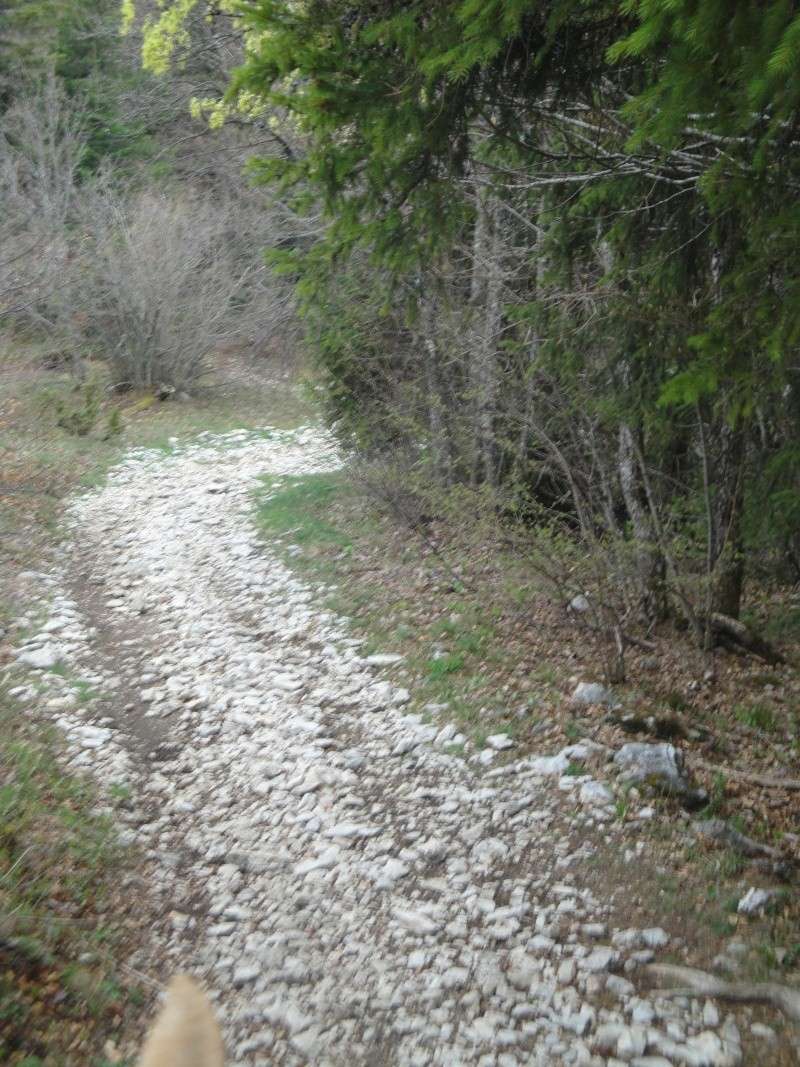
575 769
722 923
444 664
86 692
60 988
783 624
49 444
300 511
756 716
333 536
574 731
716 797
676 701
545 675
726 864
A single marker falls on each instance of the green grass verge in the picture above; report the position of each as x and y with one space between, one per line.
61 989
299 512
328 532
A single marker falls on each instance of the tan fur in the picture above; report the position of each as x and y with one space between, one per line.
185 1034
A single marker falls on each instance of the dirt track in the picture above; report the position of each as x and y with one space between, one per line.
353 893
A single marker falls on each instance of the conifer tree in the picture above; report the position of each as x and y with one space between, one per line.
646 152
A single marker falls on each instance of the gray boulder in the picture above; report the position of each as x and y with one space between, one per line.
42 658
587 693
658 765
755 901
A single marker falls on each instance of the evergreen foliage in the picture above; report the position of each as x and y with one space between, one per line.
77 43
649 148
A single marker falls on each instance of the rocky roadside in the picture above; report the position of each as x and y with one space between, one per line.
353 893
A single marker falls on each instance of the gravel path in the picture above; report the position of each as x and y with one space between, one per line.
351 892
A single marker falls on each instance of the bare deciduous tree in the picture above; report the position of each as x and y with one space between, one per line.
42 143
164 278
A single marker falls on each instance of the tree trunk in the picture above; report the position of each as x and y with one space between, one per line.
650 564
727 555
486 296
440 445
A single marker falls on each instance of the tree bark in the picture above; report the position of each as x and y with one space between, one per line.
440 445
486 296
727 555
650 564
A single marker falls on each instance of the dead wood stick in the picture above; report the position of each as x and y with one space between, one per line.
723 833
736 631
638 642
747 776
619 635
696 983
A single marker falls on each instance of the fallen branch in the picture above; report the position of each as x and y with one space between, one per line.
747 776
619 635
725 628
639 642
696 983
725 834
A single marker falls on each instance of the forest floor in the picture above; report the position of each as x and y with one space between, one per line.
368 860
